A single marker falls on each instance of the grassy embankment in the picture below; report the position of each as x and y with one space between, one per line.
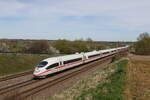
107 84
10 64
112 90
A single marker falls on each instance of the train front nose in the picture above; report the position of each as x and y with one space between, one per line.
36 71
39 73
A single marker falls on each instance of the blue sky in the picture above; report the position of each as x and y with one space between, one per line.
101 20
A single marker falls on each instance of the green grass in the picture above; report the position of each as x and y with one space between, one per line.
10 64
111 90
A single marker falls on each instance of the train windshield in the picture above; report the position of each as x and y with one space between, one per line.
42 64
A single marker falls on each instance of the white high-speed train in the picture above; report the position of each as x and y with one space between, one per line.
56 64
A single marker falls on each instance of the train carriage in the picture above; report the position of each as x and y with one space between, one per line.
55 64
90 56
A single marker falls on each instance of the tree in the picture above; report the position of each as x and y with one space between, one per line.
39 46
80 46
89 40
142 46
142 36
70 47
64 46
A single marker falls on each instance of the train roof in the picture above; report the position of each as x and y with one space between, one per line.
92 53
66 57
102 51
79 55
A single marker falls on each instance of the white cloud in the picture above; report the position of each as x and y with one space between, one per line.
132 15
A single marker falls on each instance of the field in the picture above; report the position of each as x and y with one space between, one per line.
138 83
10 64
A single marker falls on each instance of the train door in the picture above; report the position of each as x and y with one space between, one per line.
84 57
60 64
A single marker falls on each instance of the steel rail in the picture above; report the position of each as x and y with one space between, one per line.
15 75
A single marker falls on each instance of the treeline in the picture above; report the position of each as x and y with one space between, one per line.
29 46
69 47
142 46
55 47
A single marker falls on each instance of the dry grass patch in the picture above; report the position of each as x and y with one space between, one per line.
138 79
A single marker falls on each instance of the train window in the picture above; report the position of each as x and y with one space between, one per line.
72 60
53 65
105 52
93 55
60 63
42 64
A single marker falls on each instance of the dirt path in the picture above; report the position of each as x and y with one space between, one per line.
138 76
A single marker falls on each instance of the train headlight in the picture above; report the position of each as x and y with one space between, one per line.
37 71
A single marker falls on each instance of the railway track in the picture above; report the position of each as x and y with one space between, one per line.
16 86
48 82
15 75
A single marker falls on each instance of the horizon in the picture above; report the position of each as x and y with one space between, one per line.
68 19
61 39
